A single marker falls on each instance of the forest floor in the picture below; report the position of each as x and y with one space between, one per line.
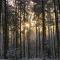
30 59
39 59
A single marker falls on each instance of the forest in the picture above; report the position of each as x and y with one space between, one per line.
30 29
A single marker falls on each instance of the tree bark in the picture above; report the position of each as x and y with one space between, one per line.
44 28
5 30
57 28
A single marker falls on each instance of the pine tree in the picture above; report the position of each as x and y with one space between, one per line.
57 28
5 30
44 28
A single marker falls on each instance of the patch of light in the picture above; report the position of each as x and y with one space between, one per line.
11 2
32 3
27 25
33 23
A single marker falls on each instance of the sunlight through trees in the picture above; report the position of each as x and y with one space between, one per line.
30 29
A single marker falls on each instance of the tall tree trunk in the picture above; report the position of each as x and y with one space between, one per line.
44 28
57 28
1 34
36 42
39 42
24 32
16 29
5 31
28 38
20 33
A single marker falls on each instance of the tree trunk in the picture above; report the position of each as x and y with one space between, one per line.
44 28
57 28
20 33
5 31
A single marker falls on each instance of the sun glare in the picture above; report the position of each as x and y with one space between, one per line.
27 25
